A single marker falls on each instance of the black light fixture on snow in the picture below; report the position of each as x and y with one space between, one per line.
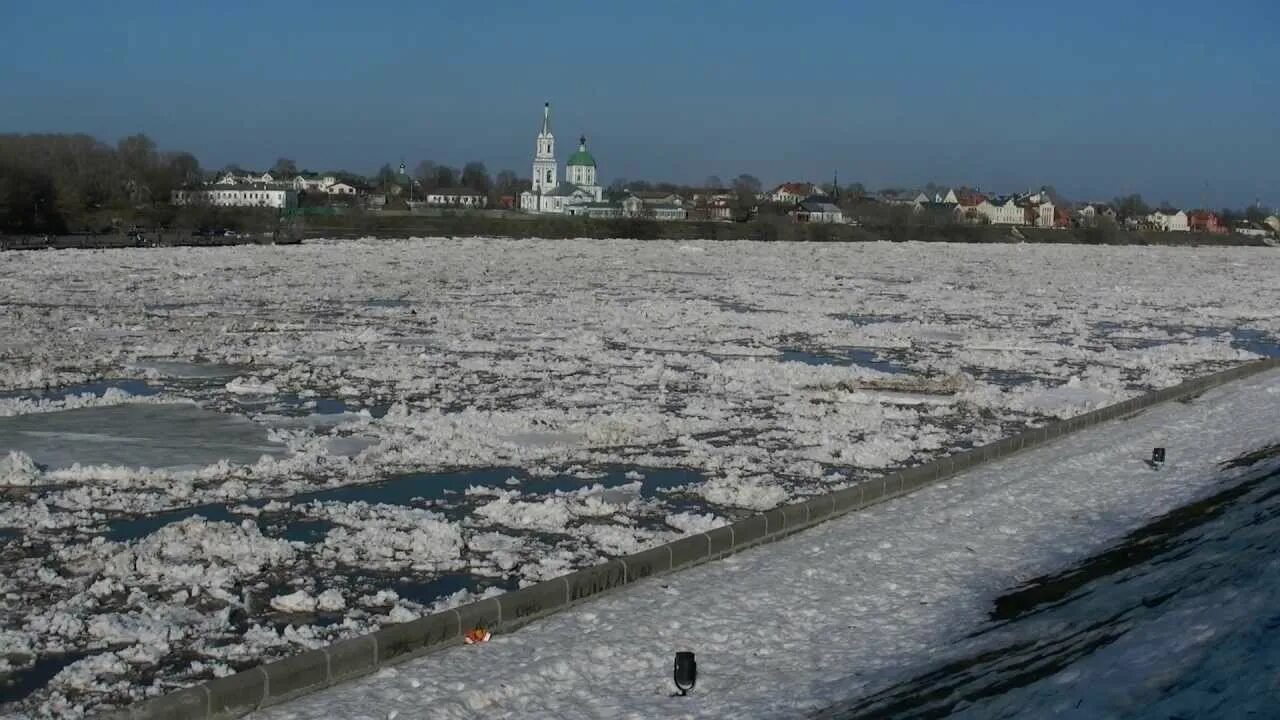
686 672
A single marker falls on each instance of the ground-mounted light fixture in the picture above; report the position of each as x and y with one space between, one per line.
686 672
1157 457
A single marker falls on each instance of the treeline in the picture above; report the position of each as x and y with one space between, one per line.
429 176
54 183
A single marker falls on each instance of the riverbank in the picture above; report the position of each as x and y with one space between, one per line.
95 241
847 609
778 229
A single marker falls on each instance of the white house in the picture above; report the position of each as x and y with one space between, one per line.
1002 211
457 197
309 183
597 210
1170 220
632 205
1253 229
341 188
659 206
1038 210
245 178
818 212
790 193
658 198
1089 214
548 194
221 195
666 212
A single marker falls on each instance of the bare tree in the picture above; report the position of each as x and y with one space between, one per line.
505 183
386 176
446 177
476 177
745 189
425 174
284 168
747 183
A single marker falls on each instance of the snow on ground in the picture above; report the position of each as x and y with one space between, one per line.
438 419
849 607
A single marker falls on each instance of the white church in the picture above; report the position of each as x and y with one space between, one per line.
549 195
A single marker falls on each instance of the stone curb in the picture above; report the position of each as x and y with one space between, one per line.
279 681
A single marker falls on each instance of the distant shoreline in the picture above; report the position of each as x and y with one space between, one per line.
556 228
110 241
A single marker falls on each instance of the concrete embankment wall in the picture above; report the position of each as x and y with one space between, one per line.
276 682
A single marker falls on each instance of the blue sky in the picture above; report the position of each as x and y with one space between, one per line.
1177 100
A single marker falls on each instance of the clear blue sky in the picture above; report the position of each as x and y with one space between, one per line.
1179 100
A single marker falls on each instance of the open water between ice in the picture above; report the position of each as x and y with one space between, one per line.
414 489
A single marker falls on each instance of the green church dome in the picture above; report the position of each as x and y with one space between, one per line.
582 157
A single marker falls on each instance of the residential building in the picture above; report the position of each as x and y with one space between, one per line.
313 183
967 204
658 197
243 195
245 178
1089 214
950 198
903 197
790 193
1037 210
666 212
1253 229
457 197
710 195
817 211
341 188
1002 211
1169 220
941 210
596 210
548 194
656 205
1206 222
659 206
715 208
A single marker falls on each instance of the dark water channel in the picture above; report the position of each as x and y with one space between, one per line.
18 685
845 357
1087 641
407 490
97 389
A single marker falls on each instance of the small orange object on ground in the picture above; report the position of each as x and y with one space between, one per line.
477 635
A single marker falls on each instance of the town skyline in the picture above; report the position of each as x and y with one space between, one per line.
1135 104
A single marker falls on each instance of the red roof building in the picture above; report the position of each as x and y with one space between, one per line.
1206 222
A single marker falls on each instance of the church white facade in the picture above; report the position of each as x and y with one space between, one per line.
549 195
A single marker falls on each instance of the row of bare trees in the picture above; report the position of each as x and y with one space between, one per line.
51 183
474 176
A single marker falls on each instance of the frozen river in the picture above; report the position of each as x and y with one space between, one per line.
218 456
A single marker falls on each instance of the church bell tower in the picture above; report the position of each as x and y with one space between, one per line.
544 156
